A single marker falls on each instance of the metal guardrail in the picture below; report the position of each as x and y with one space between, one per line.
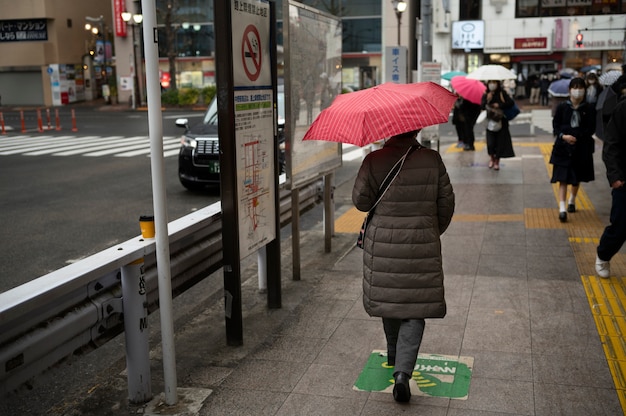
79 307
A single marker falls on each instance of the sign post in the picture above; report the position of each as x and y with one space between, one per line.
246 80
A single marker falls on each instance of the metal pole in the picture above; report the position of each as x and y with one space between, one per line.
133 100
427 46
262 269
155 128
136 332
399 16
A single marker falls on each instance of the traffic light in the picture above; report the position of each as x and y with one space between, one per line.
579 40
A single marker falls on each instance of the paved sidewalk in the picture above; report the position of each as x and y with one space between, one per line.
518 288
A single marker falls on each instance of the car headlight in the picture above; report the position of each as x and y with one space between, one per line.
187 141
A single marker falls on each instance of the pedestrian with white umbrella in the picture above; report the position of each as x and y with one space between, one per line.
495 101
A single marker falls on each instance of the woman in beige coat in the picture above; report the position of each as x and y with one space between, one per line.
402 265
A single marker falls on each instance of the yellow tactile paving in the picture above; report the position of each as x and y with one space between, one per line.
607 297
350 221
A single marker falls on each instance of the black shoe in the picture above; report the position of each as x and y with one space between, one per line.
469 147
401 389
571 208
563 216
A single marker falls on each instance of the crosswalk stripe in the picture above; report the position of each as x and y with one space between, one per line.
97 146
82 145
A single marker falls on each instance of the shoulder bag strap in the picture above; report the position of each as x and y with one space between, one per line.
393 173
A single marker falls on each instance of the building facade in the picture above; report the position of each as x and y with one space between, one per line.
48 58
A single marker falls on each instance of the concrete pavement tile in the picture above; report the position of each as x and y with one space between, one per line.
565 333
358 311
305 404
468 412
352 343
533 251
460 256
441 339
553 267
498 292
339 286
458 289
556 399
243 402
266 375
505 232
418 406
572 370
498 395
290 349
510 247
501 365
329 381
324 304
474 229
490 329
305 325
551 295
506 266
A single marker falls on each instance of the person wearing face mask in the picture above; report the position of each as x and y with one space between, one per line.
594 88
573 125
499 143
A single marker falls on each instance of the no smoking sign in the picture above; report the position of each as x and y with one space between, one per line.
251 52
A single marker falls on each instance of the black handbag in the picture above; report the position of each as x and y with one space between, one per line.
360 241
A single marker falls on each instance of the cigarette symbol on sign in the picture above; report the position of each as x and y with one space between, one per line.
251 52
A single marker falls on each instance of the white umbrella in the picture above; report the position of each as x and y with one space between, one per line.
613 66
609 78
491 72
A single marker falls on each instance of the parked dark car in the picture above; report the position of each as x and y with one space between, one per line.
198 159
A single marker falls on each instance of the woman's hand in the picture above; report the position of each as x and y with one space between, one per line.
568 138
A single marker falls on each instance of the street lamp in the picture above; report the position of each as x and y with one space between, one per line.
399 6
136 21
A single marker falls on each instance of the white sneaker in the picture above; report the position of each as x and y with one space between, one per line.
603 268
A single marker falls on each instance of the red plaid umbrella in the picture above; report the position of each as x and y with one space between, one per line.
366 116
470 89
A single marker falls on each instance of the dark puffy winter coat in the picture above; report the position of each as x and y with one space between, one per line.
402 265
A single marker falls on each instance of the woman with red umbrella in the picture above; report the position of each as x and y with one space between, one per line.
499 142
402 265
467 108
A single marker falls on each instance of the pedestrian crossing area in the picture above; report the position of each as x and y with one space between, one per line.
88 146
114 146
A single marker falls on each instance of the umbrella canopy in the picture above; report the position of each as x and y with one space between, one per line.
449 75
470 89
609 78
589 68
559 88
568 73
613 66
366 116
492 72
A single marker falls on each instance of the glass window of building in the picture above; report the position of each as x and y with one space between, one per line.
543 8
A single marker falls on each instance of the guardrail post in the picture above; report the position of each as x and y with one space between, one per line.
136 330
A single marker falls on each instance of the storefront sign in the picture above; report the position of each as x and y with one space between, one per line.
120 24
468 34
531 43
23 30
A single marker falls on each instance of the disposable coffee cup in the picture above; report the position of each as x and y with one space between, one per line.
146 222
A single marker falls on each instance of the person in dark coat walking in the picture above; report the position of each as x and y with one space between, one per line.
499 142
544 85
614 158
402 264
574 123
464 116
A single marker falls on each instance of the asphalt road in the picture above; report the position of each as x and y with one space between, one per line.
56 210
